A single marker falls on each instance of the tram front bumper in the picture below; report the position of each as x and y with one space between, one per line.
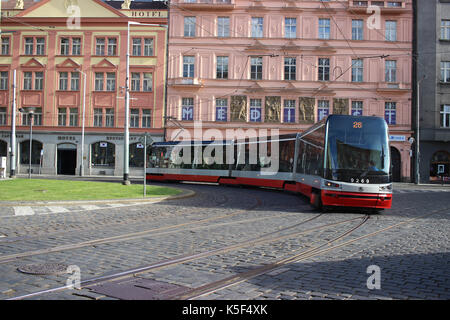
351 199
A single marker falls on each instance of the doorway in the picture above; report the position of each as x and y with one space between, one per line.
67 159
396 165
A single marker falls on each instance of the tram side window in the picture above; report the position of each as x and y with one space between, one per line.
287 155
301 158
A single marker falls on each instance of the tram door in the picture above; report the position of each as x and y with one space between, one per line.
396 165
67 159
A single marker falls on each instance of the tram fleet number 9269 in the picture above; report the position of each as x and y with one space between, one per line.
341 161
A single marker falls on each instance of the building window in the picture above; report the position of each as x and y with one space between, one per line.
445 29
110 81
29 44
323 109
63 81
105 46
257 27
188 66
99 81
137 47
38 80
36 148
255 110
221 109
109 117
28 80
4 81
290 68
146 118
391 30
147 83
223 27
134 118
100 47
146 78
290 28
324 28
135 81
289 111
357 70
394 4
32 43
187 109
189 26
391 71
222 68
256 68
445 71
73 117
37 118
136 155
65 46
5 46
75 81
357 108
62 117
357 29
40 46
445 116
70 46
103 154
324 69
76 46
390 112
2 115
98 117
112 46
148 47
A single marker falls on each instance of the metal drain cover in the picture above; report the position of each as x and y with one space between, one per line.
139 289
44 268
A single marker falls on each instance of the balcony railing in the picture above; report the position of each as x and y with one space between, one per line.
386 6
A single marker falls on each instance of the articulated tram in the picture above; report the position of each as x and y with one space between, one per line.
341 161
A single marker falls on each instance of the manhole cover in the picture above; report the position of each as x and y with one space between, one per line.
44 268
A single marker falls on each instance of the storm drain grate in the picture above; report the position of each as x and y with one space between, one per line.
139 289
44 268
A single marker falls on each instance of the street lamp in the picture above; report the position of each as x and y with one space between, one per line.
83 123
126 152
30 112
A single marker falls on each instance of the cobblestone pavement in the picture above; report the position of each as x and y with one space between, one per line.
412 258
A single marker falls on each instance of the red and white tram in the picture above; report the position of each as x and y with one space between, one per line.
341 161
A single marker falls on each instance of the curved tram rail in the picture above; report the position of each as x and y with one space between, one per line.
266 238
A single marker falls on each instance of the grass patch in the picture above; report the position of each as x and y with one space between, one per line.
48 190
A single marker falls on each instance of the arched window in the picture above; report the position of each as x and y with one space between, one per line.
103 154
35 152
137 154
3 149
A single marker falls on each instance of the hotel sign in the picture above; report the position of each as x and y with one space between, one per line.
146 14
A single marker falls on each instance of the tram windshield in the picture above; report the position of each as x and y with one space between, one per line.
357 150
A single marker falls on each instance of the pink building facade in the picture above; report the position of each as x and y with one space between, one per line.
72 68
284 65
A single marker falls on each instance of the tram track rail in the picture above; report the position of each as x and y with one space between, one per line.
266 238
124 237
238 278
313 252
8 239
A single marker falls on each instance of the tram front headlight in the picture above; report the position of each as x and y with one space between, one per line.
386 187
331 184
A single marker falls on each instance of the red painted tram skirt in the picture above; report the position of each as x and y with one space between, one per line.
349 199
